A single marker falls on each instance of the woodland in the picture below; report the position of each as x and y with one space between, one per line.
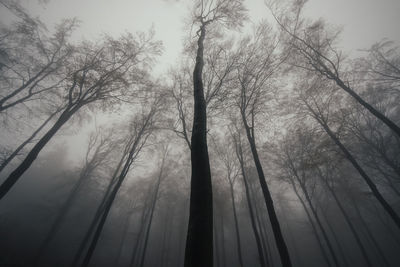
265 144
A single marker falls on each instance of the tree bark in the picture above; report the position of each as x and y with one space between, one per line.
199 243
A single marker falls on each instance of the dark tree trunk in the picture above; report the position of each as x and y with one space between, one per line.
239 154
223 256
199 243
238 242
314 228
280 242
27 141
32 155
360 170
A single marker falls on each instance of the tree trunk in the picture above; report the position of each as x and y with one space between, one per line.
363 174
153 206
314 228
280 242
238 242
199 244
239 154
32 155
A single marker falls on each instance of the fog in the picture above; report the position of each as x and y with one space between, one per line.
199 133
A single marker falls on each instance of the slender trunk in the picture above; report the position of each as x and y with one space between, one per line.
370 235
216 241
223 256
153 206
263 230
388 227
199 243
262 260
32 155
97 215
280 242
333 232
314 228
238 242
143 219
27 141
133 150
122 241
363 174
351 226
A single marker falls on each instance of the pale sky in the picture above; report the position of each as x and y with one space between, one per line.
364 21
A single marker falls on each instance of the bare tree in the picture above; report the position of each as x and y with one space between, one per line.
199 244
140 130
313 49
101 73
258 64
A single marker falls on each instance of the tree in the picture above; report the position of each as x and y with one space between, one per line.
313 49
199 244
318 105
140 130
258 63
100 73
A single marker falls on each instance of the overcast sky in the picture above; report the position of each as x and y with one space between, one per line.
364 21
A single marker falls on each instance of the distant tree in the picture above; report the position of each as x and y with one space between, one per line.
140 129
199 244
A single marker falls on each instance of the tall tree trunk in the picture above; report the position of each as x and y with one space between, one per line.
262 260
27 141
351 226
153 206
216 243
280 242
395 217
314 228
223 256
238 242
199 244
124 234
32 155
263 229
